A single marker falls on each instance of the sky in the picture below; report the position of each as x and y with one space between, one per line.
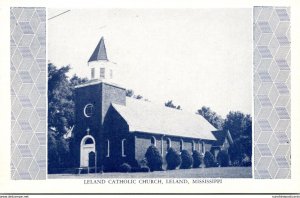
195 57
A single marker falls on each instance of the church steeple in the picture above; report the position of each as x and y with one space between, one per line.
100 66
99 52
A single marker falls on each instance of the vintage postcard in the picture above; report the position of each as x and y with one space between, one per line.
174 99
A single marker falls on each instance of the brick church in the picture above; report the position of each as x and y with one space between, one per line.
112 129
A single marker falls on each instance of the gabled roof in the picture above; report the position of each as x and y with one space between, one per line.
220 136
142 116
99 52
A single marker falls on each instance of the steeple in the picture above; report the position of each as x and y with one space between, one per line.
99 52
101 68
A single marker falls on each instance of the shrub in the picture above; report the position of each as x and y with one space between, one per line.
209 159
186 160
125 168
223 158
173 159
145 169
246 161
154 159
196 159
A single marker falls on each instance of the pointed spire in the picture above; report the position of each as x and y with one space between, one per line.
99 52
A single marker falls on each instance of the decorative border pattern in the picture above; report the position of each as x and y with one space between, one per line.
28 93
272 108
272 101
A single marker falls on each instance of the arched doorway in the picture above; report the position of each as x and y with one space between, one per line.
87 151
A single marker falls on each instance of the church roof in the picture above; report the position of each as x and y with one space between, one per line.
220 136
142 116
99 52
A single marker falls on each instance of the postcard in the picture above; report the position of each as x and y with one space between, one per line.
179 98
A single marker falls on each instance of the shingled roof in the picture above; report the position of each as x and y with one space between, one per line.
147 117
99 52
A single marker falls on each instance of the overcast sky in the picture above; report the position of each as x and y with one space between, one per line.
194 57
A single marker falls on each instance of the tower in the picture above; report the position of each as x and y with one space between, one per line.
92 101
101 68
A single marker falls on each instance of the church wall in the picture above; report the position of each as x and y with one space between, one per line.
83 97
143 141
111 94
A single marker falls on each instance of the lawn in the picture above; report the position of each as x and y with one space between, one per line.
226 172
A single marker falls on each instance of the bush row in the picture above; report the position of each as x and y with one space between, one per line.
153 160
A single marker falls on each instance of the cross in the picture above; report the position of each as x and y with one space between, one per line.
88 131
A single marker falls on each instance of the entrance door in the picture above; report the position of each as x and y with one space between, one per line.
87 147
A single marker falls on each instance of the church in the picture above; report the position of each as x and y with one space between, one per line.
112 128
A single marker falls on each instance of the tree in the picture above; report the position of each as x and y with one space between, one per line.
171 105
61 115
212 117
240 127
130 93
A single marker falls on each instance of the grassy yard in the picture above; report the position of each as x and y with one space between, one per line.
228 172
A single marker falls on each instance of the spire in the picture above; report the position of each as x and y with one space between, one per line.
99 52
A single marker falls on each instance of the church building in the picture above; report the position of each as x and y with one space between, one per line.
112 129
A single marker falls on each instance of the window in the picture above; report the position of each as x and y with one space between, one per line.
193 145
102 72
124 148
107 148
88 110
168 144
181 145
93 73
89 141
153 141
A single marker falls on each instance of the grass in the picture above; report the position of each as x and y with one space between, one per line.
226 172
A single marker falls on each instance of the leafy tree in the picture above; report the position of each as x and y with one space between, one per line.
129 92
171 105
61 115
212 117
196 159
240 127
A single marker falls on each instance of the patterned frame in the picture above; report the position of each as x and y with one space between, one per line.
272 108
28 93
272 101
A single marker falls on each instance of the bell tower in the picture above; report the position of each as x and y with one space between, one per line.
100 67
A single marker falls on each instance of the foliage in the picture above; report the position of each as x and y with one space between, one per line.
154 158
130 93
125 168
173 159
246 161
212 117
209 159
240 127
186 160
196 159
223 158
171 105
61 115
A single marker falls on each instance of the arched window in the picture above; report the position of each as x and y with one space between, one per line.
203 147
107 148
124 148
169 143
89 141
193 145
181 145
153 141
